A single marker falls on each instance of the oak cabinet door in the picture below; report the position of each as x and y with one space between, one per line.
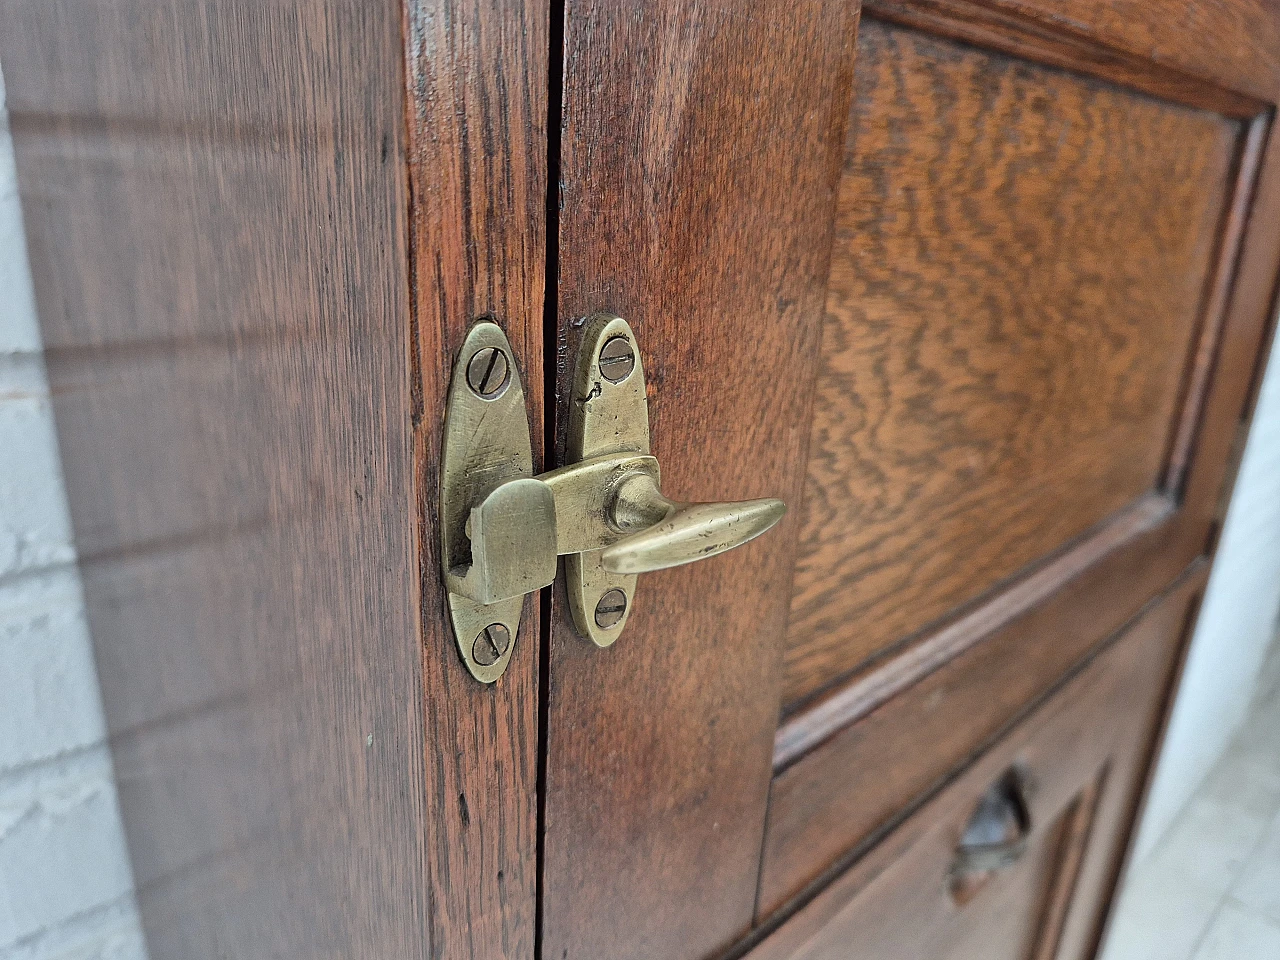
977 289
1014 859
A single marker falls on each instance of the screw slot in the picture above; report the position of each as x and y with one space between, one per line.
491 644
617 359
488 373
611 608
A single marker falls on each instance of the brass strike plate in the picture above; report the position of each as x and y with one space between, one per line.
608 414
486 442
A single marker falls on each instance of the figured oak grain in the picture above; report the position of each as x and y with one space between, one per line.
1019 272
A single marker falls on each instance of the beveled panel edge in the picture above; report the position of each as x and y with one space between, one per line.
1091 928
1203 357
820 900
1079 821
1066 46
807 723
883 679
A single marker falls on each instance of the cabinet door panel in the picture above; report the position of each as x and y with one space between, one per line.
258 233
1021 261
1078 764
701 146
978 292
1028 352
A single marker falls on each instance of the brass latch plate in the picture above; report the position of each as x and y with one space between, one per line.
502 529
486 444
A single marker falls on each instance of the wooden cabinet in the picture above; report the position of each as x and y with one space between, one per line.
978 287
961 283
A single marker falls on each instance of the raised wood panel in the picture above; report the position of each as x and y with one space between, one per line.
1217 57
1229 47
1022 260
910 914
1082 755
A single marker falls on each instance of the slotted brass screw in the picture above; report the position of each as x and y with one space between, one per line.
610 608
617 359
488 373
491 644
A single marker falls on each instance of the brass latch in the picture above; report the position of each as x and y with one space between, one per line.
502 528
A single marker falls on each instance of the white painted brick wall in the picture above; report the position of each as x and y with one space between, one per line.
66 890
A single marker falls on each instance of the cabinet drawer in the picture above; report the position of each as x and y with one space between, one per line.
1010 859
849 789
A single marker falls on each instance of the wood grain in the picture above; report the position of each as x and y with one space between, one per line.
477 116
1020 265
1228 44
626 765
701 147
1083 753
248 344
217 202
870 688
1098 881
1039 33
847 791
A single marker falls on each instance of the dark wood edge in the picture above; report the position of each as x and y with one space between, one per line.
475 113
1069 861
824 896
879 682
1202 359
1257 284
1232 392
1134 814
1063 46
1264 340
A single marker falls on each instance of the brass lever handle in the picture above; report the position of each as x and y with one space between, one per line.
671 534
610 503
502 529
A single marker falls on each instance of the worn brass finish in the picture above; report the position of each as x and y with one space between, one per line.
617 359
491 644
610 608
486 444
586 496
609 417
487 372
606 417
512 531
672 533
502 529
